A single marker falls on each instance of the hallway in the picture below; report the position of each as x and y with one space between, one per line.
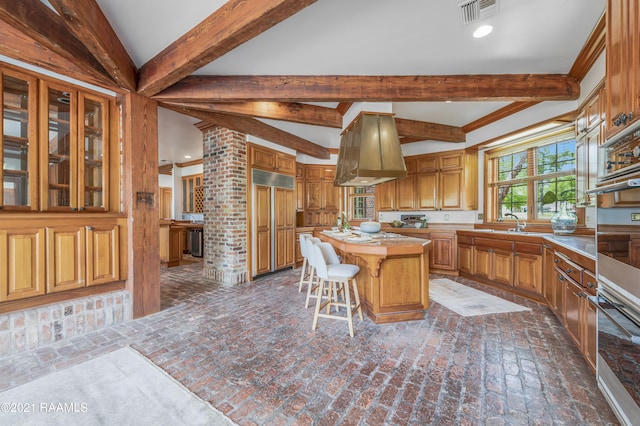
249 351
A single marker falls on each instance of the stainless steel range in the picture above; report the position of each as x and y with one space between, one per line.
618 270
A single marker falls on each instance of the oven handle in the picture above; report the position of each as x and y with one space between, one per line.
596 301
615 187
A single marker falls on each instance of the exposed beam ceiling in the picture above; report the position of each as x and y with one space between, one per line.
233 24
420 130
256 128
90 26
344 88
286 111
44 26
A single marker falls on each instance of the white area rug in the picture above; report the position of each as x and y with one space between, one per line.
119 388
467 301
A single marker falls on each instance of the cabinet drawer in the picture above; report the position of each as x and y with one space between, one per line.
495 244
530 248
465 240
572 270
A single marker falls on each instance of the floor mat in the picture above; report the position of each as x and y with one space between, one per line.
119 388
467 301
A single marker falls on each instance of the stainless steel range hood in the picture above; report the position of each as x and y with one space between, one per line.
370 152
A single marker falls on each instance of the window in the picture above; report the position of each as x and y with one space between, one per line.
532 180
362 202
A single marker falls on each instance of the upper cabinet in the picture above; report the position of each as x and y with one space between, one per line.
73 153
623 64
443 181
192 194
272 161
18 153
55 145
590 129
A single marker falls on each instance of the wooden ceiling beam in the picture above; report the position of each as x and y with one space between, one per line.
422 130
286 111
256 128
496 115
46 28
343 107
15 44
236 22
88 23
591 50
343 88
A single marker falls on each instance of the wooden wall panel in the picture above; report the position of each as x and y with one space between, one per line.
22 252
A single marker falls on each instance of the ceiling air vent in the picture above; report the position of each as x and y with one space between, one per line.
475 10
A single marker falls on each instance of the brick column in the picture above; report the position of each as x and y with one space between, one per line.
225 205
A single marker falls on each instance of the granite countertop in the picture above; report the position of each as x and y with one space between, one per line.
583 244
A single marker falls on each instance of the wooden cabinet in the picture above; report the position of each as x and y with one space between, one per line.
590 129
465 255
18 147
22 253
400 194
447 181
548 276
573 284
285 228
172 244
192 194
623 64
493 260
103 254
323 199
66 258
528 266
262 233
74 154
442 255
271 160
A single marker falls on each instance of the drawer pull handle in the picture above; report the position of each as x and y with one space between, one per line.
556 260
590 284
569 270
561 278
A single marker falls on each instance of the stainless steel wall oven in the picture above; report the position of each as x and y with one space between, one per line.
618 271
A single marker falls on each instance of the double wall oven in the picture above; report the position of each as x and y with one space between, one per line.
618 270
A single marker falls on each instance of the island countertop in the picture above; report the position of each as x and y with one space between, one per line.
393 281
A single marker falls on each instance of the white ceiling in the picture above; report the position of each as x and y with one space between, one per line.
367 37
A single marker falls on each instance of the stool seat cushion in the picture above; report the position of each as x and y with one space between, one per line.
343 271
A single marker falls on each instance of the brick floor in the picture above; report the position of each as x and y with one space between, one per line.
249 351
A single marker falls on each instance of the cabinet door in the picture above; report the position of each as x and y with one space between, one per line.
285 164
559 287
385 196
329 218
426 189
450 189
503 267
549 277
93 157
572 309
482 259
103 254
263 159
59 160
406 193
330 195
22 254
299 194
18 154
528 272
313 192
465 258
263 229
66 258
442 253
451 161
589 330
313 218
285 228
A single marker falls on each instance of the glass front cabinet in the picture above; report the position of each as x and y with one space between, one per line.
73 155
18 152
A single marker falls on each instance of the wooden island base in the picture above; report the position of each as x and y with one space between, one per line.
393 281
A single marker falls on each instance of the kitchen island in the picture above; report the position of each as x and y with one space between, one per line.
393 281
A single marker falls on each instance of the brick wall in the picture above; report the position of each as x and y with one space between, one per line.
225 205
31 328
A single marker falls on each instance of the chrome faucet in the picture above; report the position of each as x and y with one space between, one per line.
519 226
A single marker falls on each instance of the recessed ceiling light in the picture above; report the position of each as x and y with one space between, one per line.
482 31
187 156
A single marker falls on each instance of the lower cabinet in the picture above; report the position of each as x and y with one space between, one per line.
51 259
493 261
527 262
22 252
442 255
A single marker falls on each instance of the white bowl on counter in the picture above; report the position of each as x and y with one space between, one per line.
370 227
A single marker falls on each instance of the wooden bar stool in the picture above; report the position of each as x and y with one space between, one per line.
341 275
306 267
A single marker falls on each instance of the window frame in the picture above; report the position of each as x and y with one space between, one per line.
529 146
352 195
